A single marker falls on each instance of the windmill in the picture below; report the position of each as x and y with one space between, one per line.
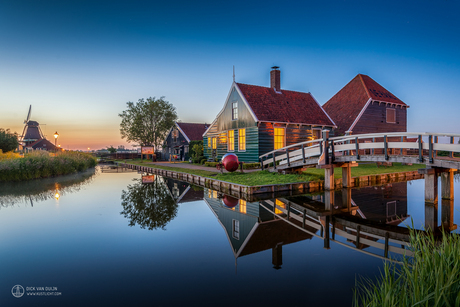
32 131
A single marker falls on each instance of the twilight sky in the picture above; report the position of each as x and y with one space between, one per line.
78 62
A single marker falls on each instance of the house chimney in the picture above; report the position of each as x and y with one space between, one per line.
275 79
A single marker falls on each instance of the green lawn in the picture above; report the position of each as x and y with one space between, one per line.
266 178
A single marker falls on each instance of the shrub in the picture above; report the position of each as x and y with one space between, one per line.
203 161
251 165
211 164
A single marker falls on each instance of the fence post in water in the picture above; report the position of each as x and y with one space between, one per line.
326 232
358 230
387 237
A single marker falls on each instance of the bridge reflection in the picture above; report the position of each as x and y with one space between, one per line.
372 220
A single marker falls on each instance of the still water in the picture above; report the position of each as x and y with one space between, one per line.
107 239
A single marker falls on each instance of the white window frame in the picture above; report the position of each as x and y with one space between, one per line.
234 110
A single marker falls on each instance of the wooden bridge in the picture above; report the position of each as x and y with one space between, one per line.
345 151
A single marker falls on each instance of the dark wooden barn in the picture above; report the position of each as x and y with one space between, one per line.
256 120
364 106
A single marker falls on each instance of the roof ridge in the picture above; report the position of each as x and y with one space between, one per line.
364 84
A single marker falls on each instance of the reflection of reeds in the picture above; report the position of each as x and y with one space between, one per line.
40 164
12 193
430 278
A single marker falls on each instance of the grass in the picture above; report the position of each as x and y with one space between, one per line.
267 178
430 278
40 164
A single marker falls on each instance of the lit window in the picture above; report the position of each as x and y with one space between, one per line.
279 138
234 110
242 206
236 229
242 139
214 194
231 140
391 116
214 143
280 204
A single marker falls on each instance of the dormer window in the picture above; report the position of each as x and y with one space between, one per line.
235 110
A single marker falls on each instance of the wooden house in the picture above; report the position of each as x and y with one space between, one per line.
364 106
179 137
256 120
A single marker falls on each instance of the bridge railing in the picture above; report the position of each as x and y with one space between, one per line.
424 144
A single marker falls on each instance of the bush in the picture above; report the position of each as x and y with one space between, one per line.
8 141
211 164
197 159
203 161
251 165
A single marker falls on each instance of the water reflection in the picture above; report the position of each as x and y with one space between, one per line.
372 220
149 205
33 191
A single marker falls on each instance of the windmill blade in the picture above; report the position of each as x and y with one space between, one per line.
28 114
22 136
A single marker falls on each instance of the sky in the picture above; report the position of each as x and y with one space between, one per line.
79 62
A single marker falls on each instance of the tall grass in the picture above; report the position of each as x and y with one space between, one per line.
430 278
40 164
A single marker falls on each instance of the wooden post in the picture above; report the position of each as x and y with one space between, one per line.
447 184
277 256
451 154
435 152
430 153
287 155
326 233
329 178
420 149
346 198
431 216
385 144
447 215
303 154
346 176
274 161
357 148
329 199
401 149
431 187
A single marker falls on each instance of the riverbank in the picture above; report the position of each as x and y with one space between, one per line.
41 164
259 182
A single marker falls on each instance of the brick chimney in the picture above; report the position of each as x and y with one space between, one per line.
275 79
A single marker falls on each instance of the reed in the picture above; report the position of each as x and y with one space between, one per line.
41 164
430 278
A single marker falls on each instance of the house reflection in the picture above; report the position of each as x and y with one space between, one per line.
183 192
250 228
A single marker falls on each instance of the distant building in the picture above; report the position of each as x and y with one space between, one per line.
41 144
364 106
179 137
256 120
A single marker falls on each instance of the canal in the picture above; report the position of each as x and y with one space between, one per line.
108 239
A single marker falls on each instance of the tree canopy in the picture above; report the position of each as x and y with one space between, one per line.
147 122
8 140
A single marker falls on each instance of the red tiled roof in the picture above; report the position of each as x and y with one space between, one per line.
287 107
193 131
42 143
345 106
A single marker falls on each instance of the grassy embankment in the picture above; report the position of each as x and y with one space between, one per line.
430 278
40 164
266 178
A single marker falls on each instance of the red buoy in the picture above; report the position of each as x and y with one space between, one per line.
230 162
229 201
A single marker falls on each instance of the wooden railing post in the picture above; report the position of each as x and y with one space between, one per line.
357 148
420 149
385 146
401 150
303 154
287 155
451 154
326 145
435 152
261 159
274 161
430 152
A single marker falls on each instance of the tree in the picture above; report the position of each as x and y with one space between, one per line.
196 149
112 149
148 121
8 141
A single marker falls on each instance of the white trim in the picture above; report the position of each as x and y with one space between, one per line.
186 137
359 115
246 102
303 124
335 126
